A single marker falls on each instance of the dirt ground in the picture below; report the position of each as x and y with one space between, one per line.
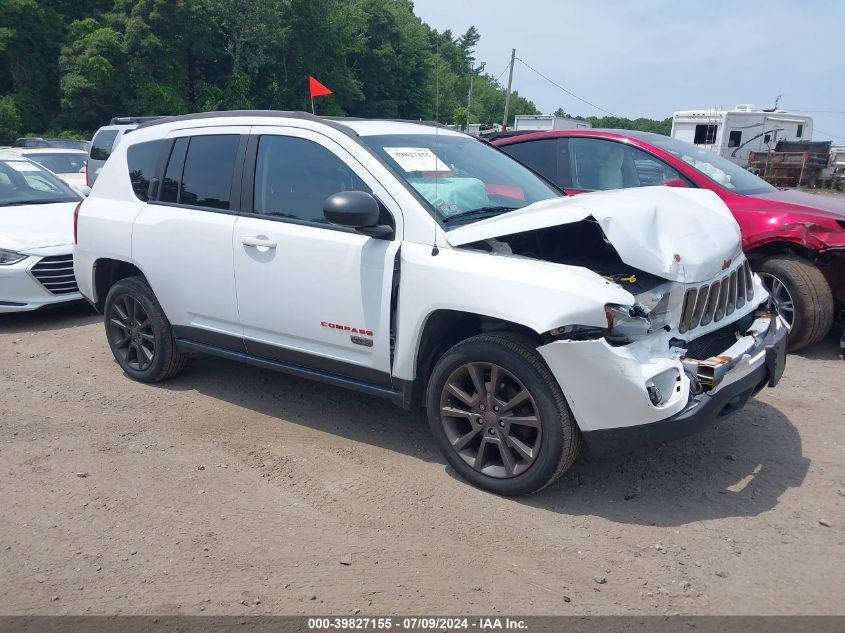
233 490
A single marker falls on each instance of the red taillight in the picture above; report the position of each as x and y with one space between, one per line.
76 222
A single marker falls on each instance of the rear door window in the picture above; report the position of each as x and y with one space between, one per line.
201 170
102 144
142 160
173 173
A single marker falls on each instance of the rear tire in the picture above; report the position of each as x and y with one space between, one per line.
518 448
139 334
804 295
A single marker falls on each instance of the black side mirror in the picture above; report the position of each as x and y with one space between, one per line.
358 210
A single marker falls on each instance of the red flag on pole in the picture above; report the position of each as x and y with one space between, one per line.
317 89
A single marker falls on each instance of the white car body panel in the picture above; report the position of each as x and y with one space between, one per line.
498 286
207 275
27 227
41 230
683 235
353 272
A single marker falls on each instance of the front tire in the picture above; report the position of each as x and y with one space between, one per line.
139 333
499 416
801 295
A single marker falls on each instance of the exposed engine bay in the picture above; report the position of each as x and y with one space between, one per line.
584 244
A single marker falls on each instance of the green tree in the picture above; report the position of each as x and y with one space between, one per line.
10 120
30 39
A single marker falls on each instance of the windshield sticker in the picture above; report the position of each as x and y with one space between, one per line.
416 159
19 165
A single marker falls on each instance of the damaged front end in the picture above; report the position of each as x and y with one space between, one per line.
695 340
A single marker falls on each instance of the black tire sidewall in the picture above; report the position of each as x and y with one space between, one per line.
552 443
805 310
161 330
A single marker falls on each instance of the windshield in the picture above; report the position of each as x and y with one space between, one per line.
64 163
730 175
461 178
24 182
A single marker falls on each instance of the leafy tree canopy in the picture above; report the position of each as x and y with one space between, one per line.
74 64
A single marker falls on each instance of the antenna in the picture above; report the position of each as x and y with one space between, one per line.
434 249
777 100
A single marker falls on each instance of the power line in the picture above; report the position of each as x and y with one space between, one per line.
828 133
557 85
817 111
503 72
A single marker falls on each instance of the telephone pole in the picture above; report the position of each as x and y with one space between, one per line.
472 74
508 93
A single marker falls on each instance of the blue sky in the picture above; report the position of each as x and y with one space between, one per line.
652 57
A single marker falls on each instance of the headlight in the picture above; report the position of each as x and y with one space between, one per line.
626 323
10 257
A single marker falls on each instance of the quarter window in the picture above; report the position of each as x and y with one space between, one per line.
294 176
102 144
142 160
209 171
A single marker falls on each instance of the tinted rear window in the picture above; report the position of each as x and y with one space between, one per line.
209 170
102 144
142 160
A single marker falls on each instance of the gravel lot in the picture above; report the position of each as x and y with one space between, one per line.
233 490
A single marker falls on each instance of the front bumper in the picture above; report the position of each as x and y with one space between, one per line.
613 408
20 291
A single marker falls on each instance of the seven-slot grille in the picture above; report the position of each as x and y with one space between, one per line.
56 274
713 302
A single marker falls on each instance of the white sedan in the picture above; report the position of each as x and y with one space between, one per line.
67 164
36 236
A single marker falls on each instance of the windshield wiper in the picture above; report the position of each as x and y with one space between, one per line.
18 203
480 212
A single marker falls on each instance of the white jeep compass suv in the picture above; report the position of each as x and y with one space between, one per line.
413 262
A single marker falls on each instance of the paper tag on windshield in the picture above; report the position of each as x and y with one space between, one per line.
416 159
19 165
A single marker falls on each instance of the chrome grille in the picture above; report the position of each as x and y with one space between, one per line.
56 274
713 302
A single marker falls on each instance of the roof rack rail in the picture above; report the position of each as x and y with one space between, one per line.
129 120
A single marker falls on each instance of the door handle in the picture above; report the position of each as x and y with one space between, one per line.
258 242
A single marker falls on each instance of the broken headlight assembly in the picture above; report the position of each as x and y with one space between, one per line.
625 324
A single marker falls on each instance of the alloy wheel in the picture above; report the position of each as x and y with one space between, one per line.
491 419
780 297
131 332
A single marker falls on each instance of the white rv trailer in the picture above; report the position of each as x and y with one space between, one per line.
734 133
546 122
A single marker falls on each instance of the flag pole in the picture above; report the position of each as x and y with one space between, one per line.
312 105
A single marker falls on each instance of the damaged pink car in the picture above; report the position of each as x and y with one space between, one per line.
795 241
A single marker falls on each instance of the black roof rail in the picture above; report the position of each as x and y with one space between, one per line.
334 121
229 113
129 120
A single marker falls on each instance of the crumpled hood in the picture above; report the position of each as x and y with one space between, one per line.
28 227
832 207
685 235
